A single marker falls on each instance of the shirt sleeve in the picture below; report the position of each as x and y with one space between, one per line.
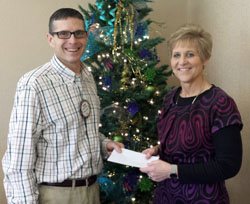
19 160
104 140
224 113
227 161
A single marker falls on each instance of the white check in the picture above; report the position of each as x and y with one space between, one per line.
131 158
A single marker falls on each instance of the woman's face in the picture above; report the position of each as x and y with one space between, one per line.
186 62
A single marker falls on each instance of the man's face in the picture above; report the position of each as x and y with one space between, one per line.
68 51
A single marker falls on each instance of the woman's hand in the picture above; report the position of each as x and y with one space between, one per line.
153 151
157 170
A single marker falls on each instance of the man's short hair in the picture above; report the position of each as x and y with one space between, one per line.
64 13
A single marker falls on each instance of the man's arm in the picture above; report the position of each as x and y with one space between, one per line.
19 160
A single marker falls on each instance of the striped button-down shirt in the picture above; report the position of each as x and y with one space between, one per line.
49 140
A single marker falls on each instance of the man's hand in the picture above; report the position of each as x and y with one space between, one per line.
114 145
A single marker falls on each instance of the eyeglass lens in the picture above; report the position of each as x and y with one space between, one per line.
67 34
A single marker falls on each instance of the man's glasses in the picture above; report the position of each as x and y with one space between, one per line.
67 34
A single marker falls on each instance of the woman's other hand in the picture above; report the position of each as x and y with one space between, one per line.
157 170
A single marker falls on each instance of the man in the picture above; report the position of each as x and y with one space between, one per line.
54 148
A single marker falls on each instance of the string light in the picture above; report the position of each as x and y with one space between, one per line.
89 68
100 125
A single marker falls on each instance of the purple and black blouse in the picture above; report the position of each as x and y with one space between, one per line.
204 140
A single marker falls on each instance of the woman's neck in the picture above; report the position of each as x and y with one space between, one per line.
194 89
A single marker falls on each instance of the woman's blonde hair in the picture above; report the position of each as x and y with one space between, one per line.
194 34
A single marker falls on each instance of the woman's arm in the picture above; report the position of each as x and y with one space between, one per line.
227 162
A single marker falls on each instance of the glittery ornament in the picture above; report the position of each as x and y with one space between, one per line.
150 88
145 54
118 139
133 107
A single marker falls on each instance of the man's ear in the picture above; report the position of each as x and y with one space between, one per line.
50 39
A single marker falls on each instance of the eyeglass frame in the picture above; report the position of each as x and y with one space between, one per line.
74 33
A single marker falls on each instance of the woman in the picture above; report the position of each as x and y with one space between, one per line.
199 129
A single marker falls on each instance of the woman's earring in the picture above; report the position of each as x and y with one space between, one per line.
172 74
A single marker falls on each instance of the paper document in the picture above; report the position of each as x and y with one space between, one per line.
131 158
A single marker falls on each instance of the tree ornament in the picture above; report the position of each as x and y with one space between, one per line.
133 107
150 88
145 54
118 139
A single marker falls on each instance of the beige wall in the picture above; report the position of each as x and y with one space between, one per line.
24 46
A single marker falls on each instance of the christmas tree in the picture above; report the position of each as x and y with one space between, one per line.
131 85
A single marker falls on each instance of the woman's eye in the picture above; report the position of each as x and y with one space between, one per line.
190 54
176 55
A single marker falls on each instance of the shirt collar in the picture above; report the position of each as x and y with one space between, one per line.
63 70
